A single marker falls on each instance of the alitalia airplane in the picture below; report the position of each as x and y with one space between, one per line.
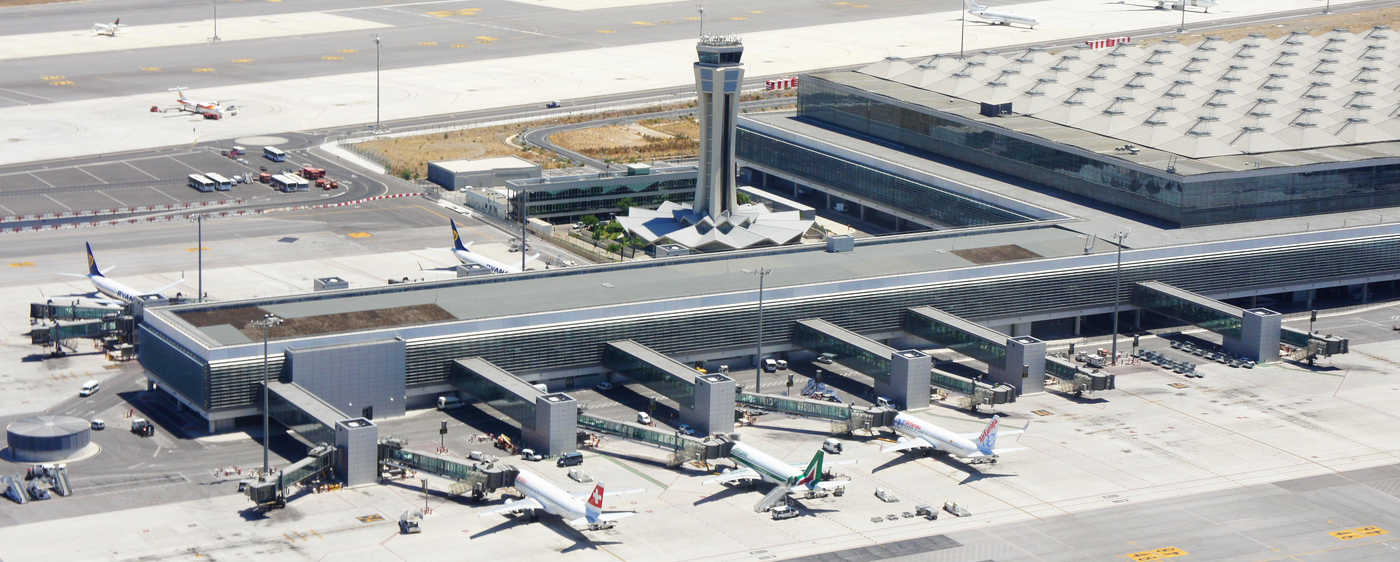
758 465
541 494
111 288
974 447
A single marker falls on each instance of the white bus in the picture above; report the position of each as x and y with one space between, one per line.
201 183
274 154
220 183
289 182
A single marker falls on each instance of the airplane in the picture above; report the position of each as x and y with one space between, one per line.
210 110
106 286
1001 18
1204 5
760 466
541 494
107 29
976 448
467 256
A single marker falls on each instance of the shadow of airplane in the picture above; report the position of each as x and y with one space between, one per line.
726 493
551 522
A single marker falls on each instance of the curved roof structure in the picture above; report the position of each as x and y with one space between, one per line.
1212 98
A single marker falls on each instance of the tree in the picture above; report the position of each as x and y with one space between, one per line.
626 203
615 247
636 242
613 227
744 199
597 234
589 221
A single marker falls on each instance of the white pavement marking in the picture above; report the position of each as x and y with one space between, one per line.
133 166
8 210
176 34
167 195
94 176
60 203
359 8
26 95
35 176
65 129
585 5
109 196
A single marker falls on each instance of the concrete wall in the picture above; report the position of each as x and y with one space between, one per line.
353 377
908 385
357 451
556 425
713 411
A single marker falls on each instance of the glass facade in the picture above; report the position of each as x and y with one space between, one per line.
654 370
1224 322
818 168
668 439
858 357
955 338
485 390
796 406
577 196
1199 199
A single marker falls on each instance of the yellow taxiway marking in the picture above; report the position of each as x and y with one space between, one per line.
607 31
755 12
1156 554
61 83
349 51
485 39
21 264
738 18
242 61
450 13
150 69
850 5
692 18
359 235
197 248
643 23
332 57
427 43
460 45
1349 534
52 77
274 0
203 69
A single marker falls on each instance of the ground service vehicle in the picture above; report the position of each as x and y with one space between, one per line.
142 427
274 154
571 458
90 388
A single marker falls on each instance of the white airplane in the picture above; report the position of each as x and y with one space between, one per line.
1000 18
758 465
1204 5
110 288
211 110
467 256
975 447
107 29
541 494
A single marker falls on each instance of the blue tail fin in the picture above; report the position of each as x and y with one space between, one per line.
456 238
92 262
987 441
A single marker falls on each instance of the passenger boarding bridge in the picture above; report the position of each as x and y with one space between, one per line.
706 401
901 376
1254 333
319 423
548 421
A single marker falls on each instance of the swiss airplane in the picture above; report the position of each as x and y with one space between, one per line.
541 494
976 448
212 110
467 256
107 29
1000 18
1204 5
110 288
758 465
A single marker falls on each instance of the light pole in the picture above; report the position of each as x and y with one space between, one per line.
762 273
1182 27
1117 282
215 3
199 220
268 321
1327 9
377 43
524 200
962 29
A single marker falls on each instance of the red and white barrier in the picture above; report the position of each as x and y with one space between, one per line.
121 211
1108 42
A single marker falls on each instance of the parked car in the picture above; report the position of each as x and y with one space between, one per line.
686 429
552 104
571 458
826 358
832 446
531 455
90 388
780 512
99 425
643 418
605 385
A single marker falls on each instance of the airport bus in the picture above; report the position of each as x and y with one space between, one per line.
274 154
201 183
221 183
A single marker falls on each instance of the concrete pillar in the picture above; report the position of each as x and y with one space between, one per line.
1137 319
908 383
1019 329
357 451
1365 292
1078 323
712 410
1025 365
1259 335
1253 301
862 212
555 429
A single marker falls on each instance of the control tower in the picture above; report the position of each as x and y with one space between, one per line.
718 79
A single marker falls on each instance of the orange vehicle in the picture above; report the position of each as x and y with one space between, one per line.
264 177
312 173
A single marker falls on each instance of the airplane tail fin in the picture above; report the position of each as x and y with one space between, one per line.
594 508
812 475
117 22
92 262
987 441
456 238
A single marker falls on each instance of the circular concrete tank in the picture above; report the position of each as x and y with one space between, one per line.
47 438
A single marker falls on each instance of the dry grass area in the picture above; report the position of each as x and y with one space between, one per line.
1316 25
650 139
239 317
995 254
409 156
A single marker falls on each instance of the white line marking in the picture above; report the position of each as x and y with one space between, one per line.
8 210
119 201
133 166
430 2
16 100
40 179
153 188
60 203
94 176
157 452
26 95
182 162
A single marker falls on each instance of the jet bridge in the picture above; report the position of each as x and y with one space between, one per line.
1254 333
898 374
1016 361
319 423
706 400
684 447
548 421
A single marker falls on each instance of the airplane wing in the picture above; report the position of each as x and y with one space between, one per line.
162 289
832 484
904 444
82 275
606 517
1011 450
734 476
611 493
514 505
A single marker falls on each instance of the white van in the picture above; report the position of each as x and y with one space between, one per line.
90 388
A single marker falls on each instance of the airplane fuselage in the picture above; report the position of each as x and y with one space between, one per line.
554 499
768 467
936 437
470 257
114 289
